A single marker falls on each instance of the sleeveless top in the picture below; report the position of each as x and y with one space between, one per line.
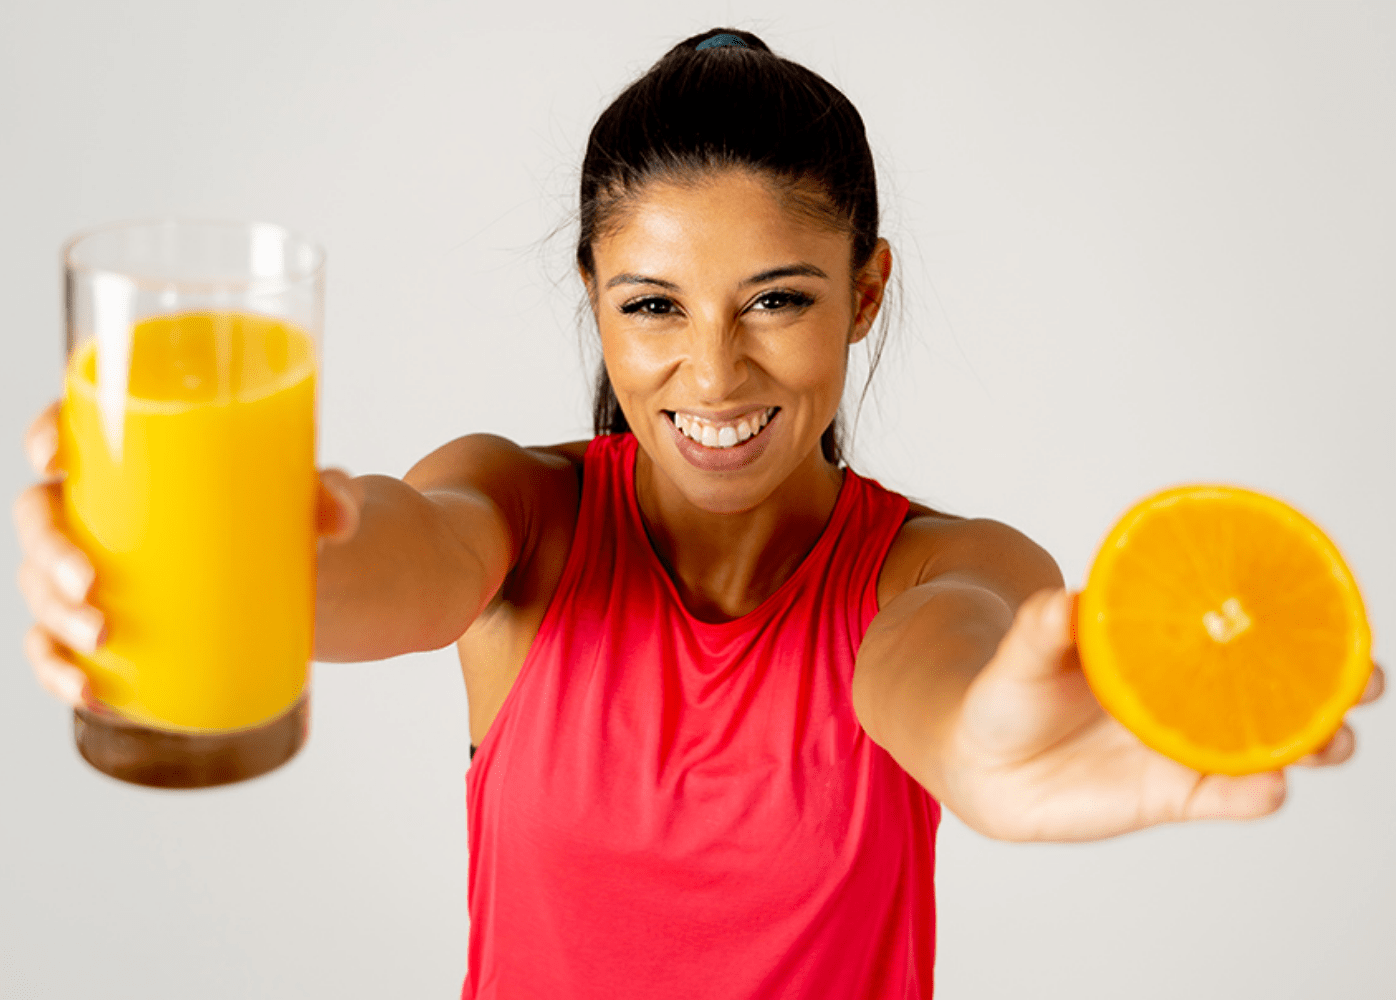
666 807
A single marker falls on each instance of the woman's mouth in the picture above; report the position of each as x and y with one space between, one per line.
724 434
722 445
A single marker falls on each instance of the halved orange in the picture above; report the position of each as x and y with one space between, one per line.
1223 628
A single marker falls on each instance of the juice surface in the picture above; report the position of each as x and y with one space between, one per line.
202 532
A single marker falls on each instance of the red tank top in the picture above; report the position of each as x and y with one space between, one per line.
666 807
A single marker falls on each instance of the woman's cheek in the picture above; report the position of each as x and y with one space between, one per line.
810 364
639 365
630 357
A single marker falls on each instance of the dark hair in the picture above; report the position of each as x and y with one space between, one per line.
697 111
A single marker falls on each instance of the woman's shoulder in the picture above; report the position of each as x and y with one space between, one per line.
536 489
934 545
574 453
490 462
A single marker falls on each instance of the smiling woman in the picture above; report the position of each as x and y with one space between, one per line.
738 106
722 313
721 684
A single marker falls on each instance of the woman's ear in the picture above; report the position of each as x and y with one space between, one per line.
869 286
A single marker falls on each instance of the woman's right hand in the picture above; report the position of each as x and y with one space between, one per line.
56 576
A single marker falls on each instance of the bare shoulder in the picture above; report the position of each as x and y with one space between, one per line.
933 545
535 491
480 460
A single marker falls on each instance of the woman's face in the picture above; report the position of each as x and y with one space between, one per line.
725 321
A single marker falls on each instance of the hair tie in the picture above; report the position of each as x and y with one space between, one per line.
719 41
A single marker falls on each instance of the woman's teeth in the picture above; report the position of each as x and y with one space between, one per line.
722 435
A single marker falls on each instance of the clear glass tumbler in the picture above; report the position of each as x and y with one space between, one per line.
187 436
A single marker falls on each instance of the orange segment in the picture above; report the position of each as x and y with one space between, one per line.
1223 628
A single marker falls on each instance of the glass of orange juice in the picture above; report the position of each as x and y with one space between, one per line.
187 436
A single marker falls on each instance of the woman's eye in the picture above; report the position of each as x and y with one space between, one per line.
658 305
771 301
652 306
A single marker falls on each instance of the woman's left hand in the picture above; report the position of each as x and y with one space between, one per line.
1033 756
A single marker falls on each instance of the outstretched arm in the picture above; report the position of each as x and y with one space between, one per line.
430 551
404 565
969 678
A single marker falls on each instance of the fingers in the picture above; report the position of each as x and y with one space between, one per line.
41 442
1344 742
55 576
79 626
337 506
59 676
36 515
1376 684
1220 796
1335 751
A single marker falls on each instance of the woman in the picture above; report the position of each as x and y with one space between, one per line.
720 684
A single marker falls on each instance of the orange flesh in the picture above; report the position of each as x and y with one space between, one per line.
1223 629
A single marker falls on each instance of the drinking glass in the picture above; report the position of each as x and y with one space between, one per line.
187 437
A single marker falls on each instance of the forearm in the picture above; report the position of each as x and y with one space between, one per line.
914 667
412 577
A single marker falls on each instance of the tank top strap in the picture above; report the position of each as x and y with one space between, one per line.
592 556
870 525
599 512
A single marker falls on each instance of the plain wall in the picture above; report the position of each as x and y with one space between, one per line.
1139 244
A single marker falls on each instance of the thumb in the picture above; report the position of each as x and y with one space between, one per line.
337 504
1036 644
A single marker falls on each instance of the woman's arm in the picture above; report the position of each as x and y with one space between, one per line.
949 594
969 678
430 551
404 565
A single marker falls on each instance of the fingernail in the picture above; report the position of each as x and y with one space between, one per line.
42 448
338 483
339 492
1054 614
83 631
73 577
73 685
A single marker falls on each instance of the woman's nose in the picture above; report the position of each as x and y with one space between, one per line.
717 362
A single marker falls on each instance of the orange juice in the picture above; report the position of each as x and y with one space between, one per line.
201 526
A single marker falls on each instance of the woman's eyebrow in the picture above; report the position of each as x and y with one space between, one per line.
788 271
626 278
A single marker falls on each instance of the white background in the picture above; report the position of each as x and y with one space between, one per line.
1140 243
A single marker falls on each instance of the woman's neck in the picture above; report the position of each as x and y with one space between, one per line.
725 565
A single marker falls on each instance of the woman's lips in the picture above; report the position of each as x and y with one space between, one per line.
727 459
